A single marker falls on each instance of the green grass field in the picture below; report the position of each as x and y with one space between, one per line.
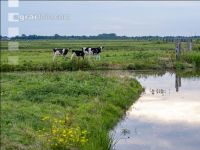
56 108
127 54
90 101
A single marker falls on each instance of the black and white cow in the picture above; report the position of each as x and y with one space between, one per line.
93 51
78 53
60 51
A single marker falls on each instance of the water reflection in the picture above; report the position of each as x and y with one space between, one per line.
166 116
159 91
177 82
164 91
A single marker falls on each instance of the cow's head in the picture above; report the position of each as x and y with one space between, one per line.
54 50
101 47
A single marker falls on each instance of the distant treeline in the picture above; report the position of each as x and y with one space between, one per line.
104 36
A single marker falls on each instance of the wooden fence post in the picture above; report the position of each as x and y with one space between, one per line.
190 45
178 49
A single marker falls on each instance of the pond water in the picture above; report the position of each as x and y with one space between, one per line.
165 117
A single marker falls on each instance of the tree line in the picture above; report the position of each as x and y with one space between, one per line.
104 36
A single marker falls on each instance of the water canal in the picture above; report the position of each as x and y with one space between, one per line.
165 117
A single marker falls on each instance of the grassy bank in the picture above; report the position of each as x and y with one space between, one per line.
87 102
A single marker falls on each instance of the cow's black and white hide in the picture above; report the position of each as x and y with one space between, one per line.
93 51
60 51
78 53
87 50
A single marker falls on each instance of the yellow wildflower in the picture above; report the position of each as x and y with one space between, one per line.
45 118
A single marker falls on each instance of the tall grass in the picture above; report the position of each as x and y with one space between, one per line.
71 65
192 57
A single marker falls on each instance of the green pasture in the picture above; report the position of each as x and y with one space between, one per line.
91 101
118 54
86 104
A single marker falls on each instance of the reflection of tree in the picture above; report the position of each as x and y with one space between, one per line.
146 74
177 82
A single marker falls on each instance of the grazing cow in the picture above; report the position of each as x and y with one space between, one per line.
60 51
87 50
93 51
78 53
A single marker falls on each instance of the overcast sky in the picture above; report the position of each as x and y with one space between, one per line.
130 18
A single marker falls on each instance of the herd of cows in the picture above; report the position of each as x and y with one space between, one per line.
79 53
